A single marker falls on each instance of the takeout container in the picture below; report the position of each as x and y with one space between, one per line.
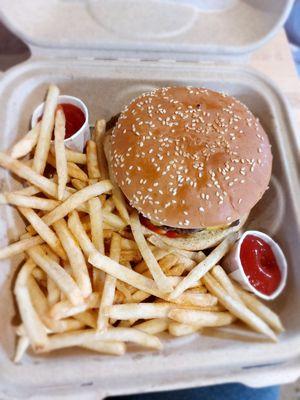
77 141
99 56
233 265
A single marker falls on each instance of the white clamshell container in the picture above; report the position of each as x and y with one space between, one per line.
106 53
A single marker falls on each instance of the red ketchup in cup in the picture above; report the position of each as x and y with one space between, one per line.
257 262
75 119
260 264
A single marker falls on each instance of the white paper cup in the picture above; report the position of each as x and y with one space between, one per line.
233 266
77 141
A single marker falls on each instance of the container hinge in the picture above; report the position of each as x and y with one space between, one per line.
170 61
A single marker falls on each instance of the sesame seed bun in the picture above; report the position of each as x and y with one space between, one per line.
190 157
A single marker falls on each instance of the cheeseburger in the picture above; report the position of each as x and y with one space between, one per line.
192 161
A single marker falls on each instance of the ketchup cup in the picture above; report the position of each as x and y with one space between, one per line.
233 265
78 140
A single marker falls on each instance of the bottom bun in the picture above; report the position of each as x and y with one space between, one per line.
199 240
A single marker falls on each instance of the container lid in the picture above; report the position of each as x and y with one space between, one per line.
145 29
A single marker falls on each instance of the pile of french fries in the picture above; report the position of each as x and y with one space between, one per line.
91 276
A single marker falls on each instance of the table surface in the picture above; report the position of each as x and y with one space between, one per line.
275 60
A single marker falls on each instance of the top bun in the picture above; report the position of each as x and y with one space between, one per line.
190 157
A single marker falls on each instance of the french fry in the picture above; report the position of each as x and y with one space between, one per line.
124 274
98 136
120 204
80 234
113 220
130 256
139 311
22 345
47 125
69 190
35 202
20 246
201 318
108 293
28 162
139 296
92 160
113 347
199 256
60 153
39 274
260 309
78 184
178 329
126 323
167 262
76 200
63 325
53 292
44 231
75 256
109 205
21 170
76 172
65 308
27 191
35 330
237 308
38 297
153 326
197 289
177 270
220 275
156 271
88 317
78 338
96 220
187 263
204 266
123 288
127 244
197 299
73 171
75 157
41 305
58 274
72 156
51 253
118 196
26 143
158 254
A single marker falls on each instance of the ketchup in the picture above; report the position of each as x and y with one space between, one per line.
260 265
157 229
75 118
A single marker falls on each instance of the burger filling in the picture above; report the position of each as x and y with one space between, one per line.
172 232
